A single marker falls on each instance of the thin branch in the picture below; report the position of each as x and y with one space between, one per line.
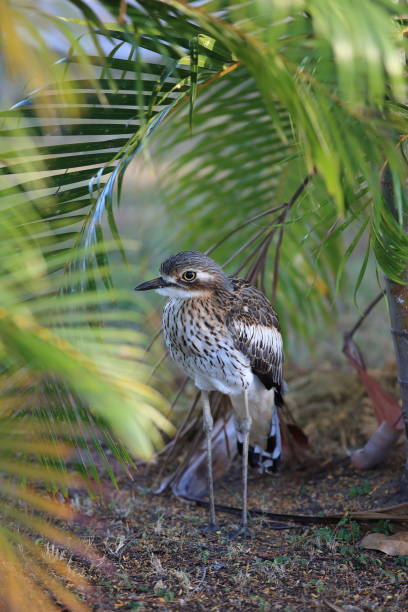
158 364
276 264
153 340
390 513
258 266
270 211
248 259
348 335
244 246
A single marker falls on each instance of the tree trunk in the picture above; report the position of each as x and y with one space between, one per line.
397 296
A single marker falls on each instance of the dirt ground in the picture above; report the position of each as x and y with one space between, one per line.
161 558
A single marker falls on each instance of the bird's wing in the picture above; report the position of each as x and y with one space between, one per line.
254 327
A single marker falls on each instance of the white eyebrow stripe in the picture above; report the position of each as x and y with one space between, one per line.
168 278
203 275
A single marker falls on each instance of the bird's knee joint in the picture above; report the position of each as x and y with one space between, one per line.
246 425
208 425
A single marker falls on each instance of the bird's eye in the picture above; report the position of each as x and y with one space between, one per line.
189 276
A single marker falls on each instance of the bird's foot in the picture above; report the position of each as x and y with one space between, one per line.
242 532
210 528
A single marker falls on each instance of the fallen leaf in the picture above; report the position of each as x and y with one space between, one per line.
191 481
377 448
345 608
386 407
396 544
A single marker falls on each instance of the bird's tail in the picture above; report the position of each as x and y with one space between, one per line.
265 446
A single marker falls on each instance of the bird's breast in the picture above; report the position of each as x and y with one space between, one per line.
200 343
191 328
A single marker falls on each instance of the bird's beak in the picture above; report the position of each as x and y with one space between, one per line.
156 283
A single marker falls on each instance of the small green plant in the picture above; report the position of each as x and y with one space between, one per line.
393 578
166 594
364 488
386 527
324 534
169 596
283 560
263 605
403 560
348 531
204 554
316 583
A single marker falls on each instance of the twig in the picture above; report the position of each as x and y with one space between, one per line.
158 364
153 340
348 335
245 246
311 519
276 265
252 254
259 264
281 219
240 227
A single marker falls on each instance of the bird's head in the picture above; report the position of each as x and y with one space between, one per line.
188 274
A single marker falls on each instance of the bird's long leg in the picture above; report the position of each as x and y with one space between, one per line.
208 428
245 429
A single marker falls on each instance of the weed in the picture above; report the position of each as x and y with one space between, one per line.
165 593
183 578
281 560
324 535
361 560
316 583
157 565
402 560
241 578
204 555
348 530
393 578
158 527
263 605
386 527
364 488
235 550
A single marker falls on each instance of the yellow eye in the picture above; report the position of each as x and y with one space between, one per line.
189 276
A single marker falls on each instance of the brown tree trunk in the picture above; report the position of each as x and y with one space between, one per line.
397 296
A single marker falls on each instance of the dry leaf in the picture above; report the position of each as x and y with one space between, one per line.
385 406
396 544
377 448
346 608
191 482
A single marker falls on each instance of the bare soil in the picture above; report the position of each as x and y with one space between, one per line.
162 559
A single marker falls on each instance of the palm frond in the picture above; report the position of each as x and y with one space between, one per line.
72 378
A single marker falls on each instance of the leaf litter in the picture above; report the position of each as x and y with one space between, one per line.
166 561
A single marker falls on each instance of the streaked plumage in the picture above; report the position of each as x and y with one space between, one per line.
224 333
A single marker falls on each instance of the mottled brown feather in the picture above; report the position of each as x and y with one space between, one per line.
248 310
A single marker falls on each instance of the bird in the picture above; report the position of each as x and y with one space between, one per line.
224 333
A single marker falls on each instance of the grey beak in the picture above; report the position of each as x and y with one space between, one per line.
156 283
